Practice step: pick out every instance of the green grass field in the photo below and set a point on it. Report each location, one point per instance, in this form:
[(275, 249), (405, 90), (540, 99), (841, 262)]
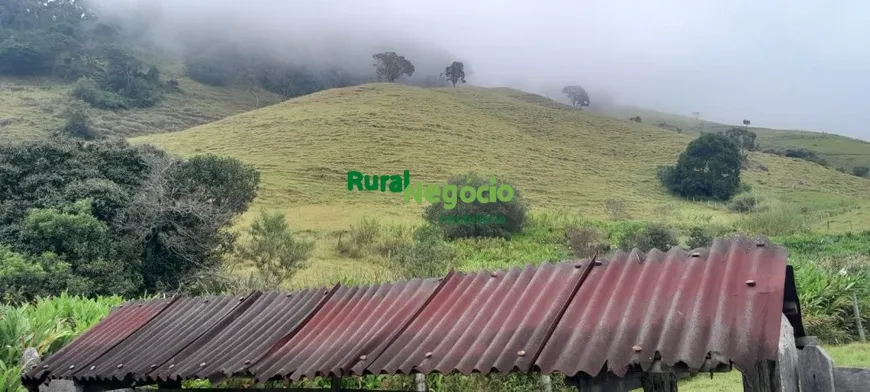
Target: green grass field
[(33, 108), (838, 151), (565, 160)]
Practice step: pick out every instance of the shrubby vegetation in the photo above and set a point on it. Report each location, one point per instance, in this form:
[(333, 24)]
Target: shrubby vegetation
[(105, 217), (799, 153), (708, 168), (514, 212)]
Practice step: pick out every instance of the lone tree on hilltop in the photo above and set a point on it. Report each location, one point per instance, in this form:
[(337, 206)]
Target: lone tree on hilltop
[(577, 94), (391, 66), (709, 167), (455, 73), (746, 123)]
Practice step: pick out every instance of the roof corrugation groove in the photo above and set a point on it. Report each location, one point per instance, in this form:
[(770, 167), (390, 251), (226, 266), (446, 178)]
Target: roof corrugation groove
[(484, 321), (117, 326), (231, 351), (354, 325), (682, 307), (179, 325)]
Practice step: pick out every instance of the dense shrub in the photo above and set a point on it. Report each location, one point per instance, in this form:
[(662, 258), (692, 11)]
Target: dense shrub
[(427, 256), (743, 203), (89, 91), (708, 168), (20, 59), (510, 216), (860, 171), (699, 237), (77, 124), (654, 235), (799, 153), (125, 219), (273, 250)]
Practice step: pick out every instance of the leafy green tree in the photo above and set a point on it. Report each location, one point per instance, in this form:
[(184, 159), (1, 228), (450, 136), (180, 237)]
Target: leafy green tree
[(455, 73), (78, 124), (578, 96), (273, 250), (708, 168), (391, 66), (156, 218)]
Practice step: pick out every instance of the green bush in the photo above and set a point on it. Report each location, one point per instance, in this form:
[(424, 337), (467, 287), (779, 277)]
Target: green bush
[(860, 171), (511, 215), (20, 58), (699, 237), (743, 203), (708, 168), (89, 91), (77, 123), (273, 250), (654, 235), (427, 256)]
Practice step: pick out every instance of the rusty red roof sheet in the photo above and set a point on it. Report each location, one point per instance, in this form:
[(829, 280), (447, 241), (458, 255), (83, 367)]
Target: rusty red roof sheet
[(483, 322), (353, 326), (230, 350), (578, 317), (181, 323), (681, 305), (118, 325)]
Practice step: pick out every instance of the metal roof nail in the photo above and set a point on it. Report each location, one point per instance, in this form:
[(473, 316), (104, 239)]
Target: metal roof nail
[(521, 353), (72, 366), (171, 366), (494, 274), (93, 367), (362, 357), (247, 361), (153, 366), (202, 364), (45, 366), (120, 365), (750, 283), (696, 254), (636, 348), (578, 265), (429, 354)]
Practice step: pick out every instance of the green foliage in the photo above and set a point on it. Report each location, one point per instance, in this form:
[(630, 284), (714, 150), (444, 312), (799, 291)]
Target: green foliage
[(699, 237), (124, 219), (743, 203), (391, 66), (273, 250), (89, 91), (427, 256), (578, 95), (860, 171), (77, 123), (513, 211), (20, 58), (654, 235), (708, 168), (455, 73), (800, 153)]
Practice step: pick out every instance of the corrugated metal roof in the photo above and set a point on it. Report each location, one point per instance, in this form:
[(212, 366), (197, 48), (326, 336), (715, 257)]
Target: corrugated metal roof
[(483, 322), (556, 317), (230, 350), (184, 321), (680, 306), (353, 326), (118, 325)]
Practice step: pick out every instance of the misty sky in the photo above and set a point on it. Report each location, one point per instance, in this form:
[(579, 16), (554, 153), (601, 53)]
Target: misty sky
[(796, 64)]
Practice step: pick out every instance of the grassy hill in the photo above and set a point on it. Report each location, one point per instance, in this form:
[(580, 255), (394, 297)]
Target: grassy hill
[(838, 151), (34, 107), (562, 160)]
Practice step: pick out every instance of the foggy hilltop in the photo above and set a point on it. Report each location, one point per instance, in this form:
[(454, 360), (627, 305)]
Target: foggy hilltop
[(728, 60)]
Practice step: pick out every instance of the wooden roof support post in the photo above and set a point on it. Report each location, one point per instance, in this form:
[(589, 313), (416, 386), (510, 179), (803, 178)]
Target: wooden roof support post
[(780, 375), (420, 381), (335, 383)]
